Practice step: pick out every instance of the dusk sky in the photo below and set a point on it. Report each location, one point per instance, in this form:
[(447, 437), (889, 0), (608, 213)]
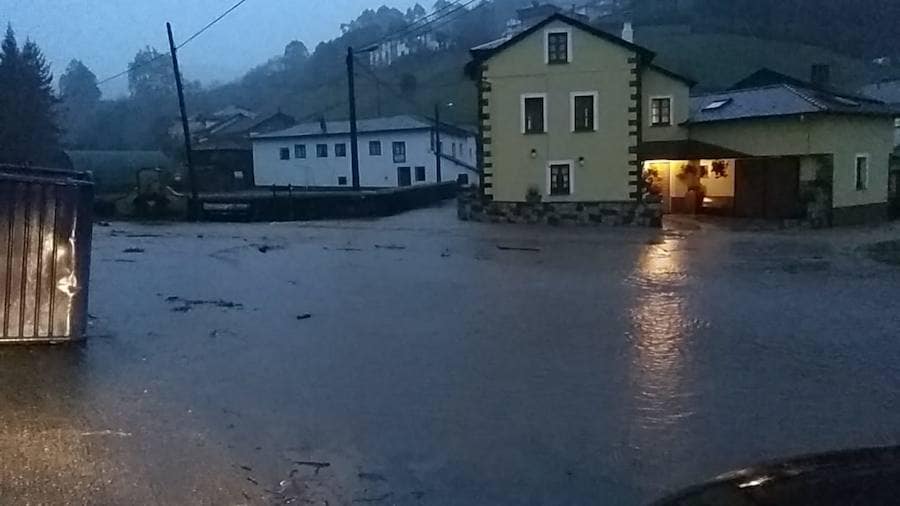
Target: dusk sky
[(105, 34)]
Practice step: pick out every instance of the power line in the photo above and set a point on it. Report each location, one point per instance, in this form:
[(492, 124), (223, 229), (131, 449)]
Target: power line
[(211, 24), (413, 28), (186, 42)]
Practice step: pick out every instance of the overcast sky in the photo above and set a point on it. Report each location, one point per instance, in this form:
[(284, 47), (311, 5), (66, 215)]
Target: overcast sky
[(105, 34)]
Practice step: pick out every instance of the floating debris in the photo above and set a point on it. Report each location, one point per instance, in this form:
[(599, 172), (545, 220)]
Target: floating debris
[(317, 465), (188, 304), (133, 250), (305, 316), (390, 246), (518, 248)]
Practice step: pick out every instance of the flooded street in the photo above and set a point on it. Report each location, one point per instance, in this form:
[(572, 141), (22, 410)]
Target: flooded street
[(422, 360)]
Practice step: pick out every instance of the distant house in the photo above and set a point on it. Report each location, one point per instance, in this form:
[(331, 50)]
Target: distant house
[(578, 124), (223, 153), (887, 91), (389, 51), (527, 17), (393, 151), (718, 60)]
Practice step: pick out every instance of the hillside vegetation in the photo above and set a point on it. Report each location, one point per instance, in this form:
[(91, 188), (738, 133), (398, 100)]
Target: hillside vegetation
[(715, 42)]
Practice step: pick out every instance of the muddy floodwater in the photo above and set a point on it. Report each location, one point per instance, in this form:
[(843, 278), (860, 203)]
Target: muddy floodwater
[(421, 360)]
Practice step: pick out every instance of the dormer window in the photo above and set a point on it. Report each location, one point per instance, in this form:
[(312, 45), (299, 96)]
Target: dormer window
[(559, 48)]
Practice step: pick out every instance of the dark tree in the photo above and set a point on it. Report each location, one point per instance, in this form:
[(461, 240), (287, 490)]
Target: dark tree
[(28, 130), (150, 75), (79, 84), (80, 97)]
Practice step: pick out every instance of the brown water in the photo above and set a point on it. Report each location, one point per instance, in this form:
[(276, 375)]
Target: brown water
[(607, 367)]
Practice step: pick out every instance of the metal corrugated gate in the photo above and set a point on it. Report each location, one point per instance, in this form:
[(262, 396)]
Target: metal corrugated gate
[(45, 248)]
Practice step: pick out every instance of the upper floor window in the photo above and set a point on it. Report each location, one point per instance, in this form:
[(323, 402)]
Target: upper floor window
[(661, 111), (299, 150), (584, 112), (322, 150), (340, 150), (284, 153), (862, 172), (399, 151), (375, 148), (534, 113), (558, 49)]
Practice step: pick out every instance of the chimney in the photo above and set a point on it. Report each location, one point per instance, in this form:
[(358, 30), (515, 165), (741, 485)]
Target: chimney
[(323, 124), (628, 32), (820, 75)]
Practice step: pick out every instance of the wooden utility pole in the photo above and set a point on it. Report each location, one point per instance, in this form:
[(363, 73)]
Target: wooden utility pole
[(354, 141), (194, 204), (437, 141)]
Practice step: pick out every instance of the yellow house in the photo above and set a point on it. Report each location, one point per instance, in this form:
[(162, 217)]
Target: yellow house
[(578, 125)]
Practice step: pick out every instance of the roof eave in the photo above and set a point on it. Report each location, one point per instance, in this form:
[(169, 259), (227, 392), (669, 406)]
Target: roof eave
[(870, 114), (481, 55)]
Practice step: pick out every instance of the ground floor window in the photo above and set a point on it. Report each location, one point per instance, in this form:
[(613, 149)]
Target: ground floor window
[(340, 150), (342, 180), (560, 175), (420, 173), (862, 172), (299, 150), (322, 150), (284, 153)]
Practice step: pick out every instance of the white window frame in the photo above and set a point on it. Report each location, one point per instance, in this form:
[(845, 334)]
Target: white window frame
[(547, 32), (868, 169), (671, 111), (571, 164), (542, 96), (595, 95)]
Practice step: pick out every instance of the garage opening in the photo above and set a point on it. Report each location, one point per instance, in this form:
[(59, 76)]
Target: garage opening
[(767, 188), (760, 188)]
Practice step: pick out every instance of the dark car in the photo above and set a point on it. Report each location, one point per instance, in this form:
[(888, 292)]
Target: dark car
[(864, 477)]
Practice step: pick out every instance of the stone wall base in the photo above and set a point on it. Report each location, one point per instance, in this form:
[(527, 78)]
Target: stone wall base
[(859, 215), (474, 208)]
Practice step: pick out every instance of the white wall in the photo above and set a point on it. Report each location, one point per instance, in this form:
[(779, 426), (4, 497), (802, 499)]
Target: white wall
[(375, 171)]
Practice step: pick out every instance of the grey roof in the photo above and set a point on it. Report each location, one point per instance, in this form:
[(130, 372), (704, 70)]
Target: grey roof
[(494, 44), (388, 124), (886, 91), (780, 100)]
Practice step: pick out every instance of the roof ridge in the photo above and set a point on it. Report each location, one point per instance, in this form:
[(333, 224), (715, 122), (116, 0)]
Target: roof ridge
[(796, 91), (739, 90)]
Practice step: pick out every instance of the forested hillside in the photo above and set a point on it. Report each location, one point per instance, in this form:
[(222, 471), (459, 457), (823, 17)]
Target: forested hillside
[(714, 41)]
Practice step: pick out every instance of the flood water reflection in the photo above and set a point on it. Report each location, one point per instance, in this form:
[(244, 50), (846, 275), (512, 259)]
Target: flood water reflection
[(659, 319)]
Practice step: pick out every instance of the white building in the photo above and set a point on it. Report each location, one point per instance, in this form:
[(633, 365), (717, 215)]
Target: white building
[(394, 151), (387, 52)]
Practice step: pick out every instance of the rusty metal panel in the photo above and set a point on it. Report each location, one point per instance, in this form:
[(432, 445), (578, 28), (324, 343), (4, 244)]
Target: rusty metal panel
[(45, 246)]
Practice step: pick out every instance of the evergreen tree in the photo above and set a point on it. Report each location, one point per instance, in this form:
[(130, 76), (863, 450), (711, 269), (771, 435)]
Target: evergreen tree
[(80, 97), (28, 130)]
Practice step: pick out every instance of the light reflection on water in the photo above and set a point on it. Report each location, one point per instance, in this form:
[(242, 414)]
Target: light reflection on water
[(659, 319)]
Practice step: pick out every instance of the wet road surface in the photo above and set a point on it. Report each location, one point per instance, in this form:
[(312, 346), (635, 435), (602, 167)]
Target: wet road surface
[(420, 360)]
